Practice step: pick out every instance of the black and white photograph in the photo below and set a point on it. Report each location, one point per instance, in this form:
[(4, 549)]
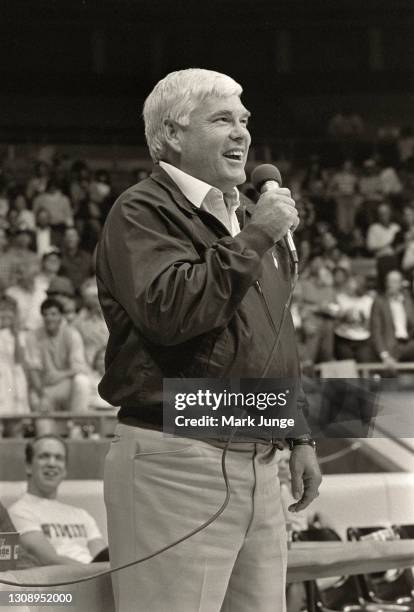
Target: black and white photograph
[(207, 305)]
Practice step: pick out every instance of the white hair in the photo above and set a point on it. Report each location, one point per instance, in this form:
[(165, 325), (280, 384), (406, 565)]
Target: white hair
[(176, 96)]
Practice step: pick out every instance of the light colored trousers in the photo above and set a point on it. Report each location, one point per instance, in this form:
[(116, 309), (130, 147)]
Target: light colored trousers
[(158, 488), (70, 394)]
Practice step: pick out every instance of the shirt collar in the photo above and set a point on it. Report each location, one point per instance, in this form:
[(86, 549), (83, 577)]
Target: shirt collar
[(193, 189)]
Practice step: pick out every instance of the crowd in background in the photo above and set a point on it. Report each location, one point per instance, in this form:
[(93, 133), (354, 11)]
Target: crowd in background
[(352, 301)]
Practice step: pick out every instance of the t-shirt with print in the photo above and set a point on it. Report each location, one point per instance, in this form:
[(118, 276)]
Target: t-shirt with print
[(69, 529)]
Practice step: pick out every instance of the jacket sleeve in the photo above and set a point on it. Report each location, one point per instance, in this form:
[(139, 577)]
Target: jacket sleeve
[(171, 292)]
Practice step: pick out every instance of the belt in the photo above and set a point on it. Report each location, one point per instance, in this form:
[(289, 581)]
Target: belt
[(270, 441), (402, 340)]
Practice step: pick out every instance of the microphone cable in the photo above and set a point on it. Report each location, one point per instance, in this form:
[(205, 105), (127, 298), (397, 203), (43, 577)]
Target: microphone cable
[(204, 525)]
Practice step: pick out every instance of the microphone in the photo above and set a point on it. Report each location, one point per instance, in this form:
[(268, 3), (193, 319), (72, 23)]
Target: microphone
[(266, 178)]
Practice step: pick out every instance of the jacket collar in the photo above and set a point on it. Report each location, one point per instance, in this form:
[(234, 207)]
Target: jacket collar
[(164, 180)]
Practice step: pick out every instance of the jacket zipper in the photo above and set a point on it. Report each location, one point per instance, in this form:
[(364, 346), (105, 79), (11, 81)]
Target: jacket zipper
[(266, 307)]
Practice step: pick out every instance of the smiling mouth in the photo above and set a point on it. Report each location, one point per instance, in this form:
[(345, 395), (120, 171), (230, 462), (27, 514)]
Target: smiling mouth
[(234, 155)]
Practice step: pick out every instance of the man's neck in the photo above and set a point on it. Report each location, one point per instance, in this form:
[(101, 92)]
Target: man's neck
[(33, 490)]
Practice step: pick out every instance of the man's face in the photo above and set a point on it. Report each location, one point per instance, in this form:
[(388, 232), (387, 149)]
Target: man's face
[(52, 263), (52, 319), (384, 213), (48, 467), (214, 146), (71, 238)]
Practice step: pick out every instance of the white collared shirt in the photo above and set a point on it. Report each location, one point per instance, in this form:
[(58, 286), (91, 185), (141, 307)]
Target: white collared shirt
[(399, 316), (208, 198)]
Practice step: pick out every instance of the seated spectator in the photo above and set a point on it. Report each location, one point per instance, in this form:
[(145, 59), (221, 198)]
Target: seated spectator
[(90, 322), (391, 185), (343, 188), (43, 232), (62, 289), (392, 322), (79, 186), (37, 184), (340, 278), (49, 270), (28, 292), (25, 217), (20, 251), (59, 208), (352, 333), (77, 264), (54, 532), (14, 397), (381, 239), (56, 362), (315, 296), (330, 254)]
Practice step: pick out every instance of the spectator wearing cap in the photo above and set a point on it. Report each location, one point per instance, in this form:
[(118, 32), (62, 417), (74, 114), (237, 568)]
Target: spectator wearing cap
[(77, 264), (62, 289), (90, 322), (56, 362), (59, 208), (43, 232), (392, 322)]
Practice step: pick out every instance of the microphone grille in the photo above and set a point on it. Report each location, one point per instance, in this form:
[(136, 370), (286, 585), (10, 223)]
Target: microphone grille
[(263, 173)]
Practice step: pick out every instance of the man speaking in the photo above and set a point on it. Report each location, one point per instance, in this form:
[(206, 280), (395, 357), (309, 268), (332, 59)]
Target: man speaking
[(191, 287)]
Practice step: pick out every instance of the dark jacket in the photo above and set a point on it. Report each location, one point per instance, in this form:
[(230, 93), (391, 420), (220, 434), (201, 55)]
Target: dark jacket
[(382, 325), (183, 298)]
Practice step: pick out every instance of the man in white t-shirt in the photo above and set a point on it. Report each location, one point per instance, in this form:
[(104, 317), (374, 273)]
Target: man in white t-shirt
[(56, 533)]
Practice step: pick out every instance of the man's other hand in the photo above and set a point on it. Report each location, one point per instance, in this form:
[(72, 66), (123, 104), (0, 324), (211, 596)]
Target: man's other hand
[(306, 476), (275, 213)]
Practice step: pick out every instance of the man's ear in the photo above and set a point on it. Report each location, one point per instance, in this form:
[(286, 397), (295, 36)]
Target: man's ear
[(172, 133), (28, 468)]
